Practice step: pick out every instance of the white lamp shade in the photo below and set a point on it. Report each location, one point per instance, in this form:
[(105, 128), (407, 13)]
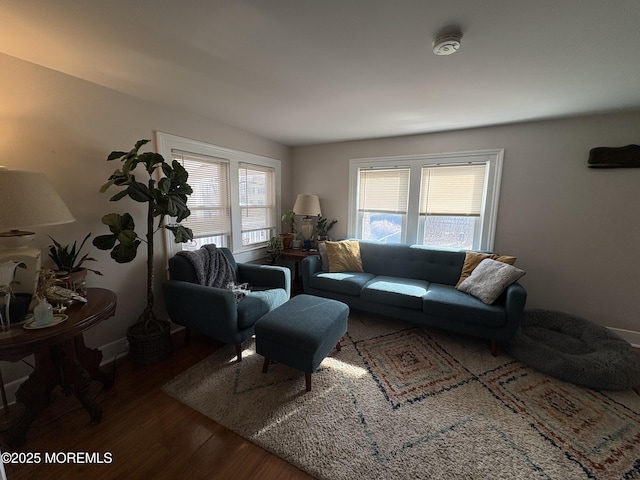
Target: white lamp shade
[(27, 199), (308, 205)]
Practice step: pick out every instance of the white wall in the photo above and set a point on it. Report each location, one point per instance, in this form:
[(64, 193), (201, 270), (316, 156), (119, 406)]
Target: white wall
[(66, 127), (575, 230)]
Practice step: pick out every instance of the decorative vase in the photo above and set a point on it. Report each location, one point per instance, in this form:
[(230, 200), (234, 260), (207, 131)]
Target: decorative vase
[(43, 312)]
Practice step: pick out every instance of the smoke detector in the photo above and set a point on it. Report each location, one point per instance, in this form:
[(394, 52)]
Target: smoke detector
[(447, 44)]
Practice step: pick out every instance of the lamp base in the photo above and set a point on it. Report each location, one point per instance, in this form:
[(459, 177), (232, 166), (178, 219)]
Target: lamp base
[(26, 279), (306, 229)]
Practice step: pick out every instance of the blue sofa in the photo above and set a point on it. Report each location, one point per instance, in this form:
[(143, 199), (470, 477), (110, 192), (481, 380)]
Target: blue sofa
[(417, 284)]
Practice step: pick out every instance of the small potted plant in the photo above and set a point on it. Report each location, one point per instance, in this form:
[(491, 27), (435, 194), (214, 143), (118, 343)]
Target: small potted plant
[(288, 218), (323, 225), (69, 264), (275, 246)]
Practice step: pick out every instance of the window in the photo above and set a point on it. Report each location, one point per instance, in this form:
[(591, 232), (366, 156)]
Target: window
[(446, 200), (451, 205), (257, 204), (209, 203), (236, 196), (382, 204)]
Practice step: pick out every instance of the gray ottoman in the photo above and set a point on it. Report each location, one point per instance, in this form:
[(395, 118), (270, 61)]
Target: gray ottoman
[(301, 333)]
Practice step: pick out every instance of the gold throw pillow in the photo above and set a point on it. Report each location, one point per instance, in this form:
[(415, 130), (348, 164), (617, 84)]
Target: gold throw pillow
[(344, 256)]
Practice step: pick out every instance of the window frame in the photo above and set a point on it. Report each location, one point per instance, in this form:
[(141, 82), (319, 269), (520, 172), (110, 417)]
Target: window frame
[(166, 142), (492, 157)]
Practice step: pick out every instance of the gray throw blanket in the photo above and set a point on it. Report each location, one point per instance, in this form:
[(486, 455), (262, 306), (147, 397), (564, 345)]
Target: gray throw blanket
[(213, 269)]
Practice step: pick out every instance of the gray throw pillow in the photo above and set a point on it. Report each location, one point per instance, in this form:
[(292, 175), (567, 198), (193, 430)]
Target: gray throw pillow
[(489, 279), (324, 258)]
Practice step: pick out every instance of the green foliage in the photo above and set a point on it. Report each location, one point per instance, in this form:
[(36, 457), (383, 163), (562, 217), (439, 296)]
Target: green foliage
[(289, 218), (166, 197), (66, 257), (275, 246), (323, 225)]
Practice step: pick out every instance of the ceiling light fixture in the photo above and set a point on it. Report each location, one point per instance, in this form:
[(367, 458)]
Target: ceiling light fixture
[(447, 44)]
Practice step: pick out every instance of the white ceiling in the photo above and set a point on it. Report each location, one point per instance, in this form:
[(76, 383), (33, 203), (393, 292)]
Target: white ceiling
[(313, 71)]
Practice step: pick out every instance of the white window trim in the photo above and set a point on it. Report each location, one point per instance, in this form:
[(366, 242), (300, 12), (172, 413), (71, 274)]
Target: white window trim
[(493, 157), (166, 142)]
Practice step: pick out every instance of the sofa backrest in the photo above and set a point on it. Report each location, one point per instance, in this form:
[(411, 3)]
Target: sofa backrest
[(412, 261), (180, 268)]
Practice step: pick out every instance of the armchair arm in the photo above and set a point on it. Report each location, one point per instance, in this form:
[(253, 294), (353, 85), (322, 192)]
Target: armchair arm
[(309, 266), (207, 310), (265, 276)]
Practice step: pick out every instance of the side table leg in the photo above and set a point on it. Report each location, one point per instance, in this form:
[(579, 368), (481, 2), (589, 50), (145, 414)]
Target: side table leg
[(76, 378), (90, 358), (34, 394)]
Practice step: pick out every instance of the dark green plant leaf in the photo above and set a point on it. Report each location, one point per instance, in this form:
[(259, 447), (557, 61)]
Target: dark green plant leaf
[(139, 192)]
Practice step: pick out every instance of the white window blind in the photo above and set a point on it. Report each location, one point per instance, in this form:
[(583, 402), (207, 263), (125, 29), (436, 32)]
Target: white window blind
[(383, 190), (209, 204), (257, 203), (452, 190)]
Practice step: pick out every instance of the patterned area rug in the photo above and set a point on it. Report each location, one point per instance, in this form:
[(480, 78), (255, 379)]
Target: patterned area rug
[(400, 402)]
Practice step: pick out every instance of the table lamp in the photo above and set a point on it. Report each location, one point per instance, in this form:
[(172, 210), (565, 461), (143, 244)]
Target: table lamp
[(27, 199), (309, 206)]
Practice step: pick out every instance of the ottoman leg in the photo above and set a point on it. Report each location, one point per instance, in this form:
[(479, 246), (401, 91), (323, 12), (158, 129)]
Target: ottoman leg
[(338, 346), (307, 379), (265, 365)]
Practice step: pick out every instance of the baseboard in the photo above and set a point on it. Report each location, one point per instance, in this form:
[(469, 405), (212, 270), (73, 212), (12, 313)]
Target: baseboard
[(630, 336)]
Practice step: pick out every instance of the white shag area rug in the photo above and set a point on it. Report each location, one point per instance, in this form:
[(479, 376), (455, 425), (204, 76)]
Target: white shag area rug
[(400, 402)]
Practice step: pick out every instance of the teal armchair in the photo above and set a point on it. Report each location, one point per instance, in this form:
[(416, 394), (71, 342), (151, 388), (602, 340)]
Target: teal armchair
[(214, 312)]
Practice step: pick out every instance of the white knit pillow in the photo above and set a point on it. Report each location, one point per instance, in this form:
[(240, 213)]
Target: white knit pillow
[(489, 279)]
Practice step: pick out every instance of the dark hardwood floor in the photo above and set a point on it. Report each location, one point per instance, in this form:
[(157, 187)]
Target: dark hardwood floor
[(148, 434)]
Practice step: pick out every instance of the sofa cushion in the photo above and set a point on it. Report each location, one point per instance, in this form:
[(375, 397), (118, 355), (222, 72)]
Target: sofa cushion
[(445, 301), (489, 279), (412, 261), (349, 283), (344, 256), (400, 292), (255, 304), (473, 259)]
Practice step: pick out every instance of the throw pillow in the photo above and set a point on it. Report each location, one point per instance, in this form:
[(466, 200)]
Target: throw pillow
[(324, 260), (344, 256), (473, 259), (489, 279)]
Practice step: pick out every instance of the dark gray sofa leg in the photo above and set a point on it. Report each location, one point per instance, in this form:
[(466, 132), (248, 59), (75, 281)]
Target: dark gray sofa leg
[(494, 347), (239, 352)]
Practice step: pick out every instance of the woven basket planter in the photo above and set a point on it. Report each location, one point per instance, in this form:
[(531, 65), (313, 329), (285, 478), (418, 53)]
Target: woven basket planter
[(145, 347)]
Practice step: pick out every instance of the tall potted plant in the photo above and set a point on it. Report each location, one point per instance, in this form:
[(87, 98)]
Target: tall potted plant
[(149, 338)]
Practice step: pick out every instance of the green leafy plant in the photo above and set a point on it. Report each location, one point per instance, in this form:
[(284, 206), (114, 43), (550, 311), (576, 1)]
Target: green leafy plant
[(275, 246), (164, 197), (323, 225), (289, 218), (66, 257)]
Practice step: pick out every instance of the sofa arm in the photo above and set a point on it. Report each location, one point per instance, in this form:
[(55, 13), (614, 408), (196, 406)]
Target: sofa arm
[(309, 265), (515, 300), (208, 310), (265, 276)]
